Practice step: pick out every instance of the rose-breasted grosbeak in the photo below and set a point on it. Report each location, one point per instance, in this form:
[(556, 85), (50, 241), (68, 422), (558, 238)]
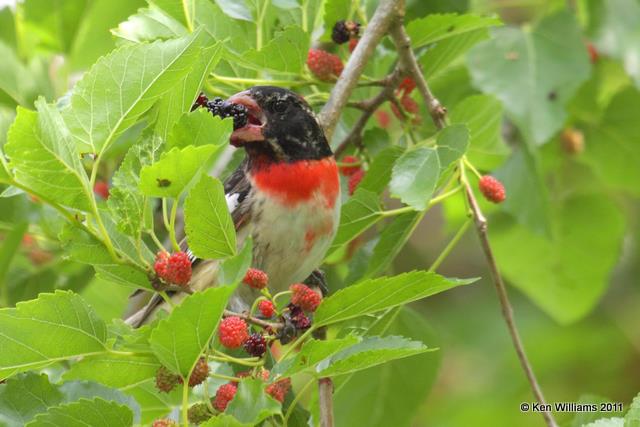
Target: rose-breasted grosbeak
[(285, 194)]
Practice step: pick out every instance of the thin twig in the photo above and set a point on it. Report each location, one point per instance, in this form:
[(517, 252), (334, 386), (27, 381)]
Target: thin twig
[(254, 320), (438, 115), (410, 64), (376, 29), (369, 107), (507, 310)]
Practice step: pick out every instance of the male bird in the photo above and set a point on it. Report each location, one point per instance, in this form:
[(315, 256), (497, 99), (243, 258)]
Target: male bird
[(285, 195)]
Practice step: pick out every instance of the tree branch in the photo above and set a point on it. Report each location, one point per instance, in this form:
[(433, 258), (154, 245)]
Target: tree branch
[(369, 107), (410, 65), (376, 29)]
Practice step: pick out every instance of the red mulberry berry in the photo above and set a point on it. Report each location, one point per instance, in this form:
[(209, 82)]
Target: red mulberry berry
[(201, 101), (164, 423), (256, 279), (407, 85), (383, 119), (224, 395), (233, 332), (200, 372), (492, 189), (323, 64), (305, 297), (166, 380), (279, 389), (101, 188), (179, 269), (352, 44), (266, 308), (409, 104), (354, 181), (255, 345)]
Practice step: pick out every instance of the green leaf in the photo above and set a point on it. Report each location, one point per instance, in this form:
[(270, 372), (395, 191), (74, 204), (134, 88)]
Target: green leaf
[(153, 405), (611, 146), (8, 250), (44, 158), (572, 268), (200, 128), (527, 198), (224, 420), (392, 239), (51, 328), (632, 418), (452, 144), (534, 73), (25, 396), (311, 353), (236, 9), (414, 177), (617, 36), (96, 413), (482, 115), (232, 270), (148, 25), (76, 390), (391, 394), (179, 340), (208, 224), (14, 77), (358, 214), (129, 207), (435, 27), (169, 176), (370, 352), (252, 404), (370, 296), (121, 86), (379, 173), (219, 27), (180, 98), (113, 370), (446, 52), (286, 52)]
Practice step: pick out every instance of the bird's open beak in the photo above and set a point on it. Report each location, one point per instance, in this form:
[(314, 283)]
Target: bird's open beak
[(256, 120)]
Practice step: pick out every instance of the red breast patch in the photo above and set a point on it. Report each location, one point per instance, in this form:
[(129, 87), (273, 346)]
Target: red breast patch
[(298, 182)]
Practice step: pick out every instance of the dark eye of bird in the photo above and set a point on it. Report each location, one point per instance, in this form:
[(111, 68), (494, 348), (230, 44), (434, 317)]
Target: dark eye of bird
[(280, 106)]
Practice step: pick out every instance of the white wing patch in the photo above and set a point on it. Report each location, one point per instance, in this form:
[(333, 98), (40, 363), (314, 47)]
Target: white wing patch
[(232, 201)]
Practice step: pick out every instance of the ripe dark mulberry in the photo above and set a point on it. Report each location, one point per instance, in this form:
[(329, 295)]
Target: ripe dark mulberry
[(256, 345), (344, 30)]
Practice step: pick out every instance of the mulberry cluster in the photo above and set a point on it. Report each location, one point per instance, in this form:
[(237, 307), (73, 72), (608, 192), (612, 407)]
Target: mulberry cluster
[(221, 108)]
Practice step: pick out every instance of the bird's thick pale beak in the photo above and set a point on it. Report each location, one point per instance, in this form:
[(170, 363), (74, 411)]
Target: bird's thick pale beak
[(256, 120)]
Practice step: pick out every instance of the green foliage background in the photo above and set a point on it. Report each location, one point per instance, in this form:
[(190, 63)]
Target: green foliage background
[(116, 79)]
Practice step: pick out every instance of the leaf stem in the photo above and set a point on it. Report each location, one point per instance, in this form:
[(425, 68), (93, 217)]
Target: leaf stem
[(185, 403), (187, 14), (172, 225), (447, 250), (252, 81), (250, 361), (294, 402), (166, 298)]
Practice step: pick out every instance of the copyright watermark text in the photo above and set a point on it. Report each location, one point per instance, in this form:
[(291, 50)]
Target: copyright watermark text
[(571, 407)]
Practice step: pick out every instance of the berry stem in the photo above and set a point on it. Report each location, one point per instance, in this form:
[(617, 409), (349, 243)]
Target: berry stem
[(254, 306), (224, 377), (187, 14), (279, 295), (249, 361), (166, 298), (468, 164)]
